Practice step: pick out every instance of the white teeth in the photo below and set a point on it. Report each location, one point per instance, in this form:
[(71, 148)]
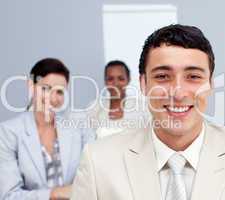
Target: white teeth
[(178, 109)]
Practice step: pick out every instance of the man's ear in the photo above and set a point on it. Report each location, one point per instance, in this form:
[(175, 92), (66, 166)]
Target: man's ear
[(142, 79), (211, 82)]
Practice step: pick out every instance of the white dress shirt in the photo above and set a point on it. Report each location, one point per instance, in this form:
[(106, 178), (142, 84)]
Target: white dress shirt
[(191, 154)]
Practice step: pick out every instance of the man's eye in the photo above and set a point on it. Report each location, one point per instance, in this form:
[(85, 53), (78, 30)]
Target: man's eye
[(194, 77), (162, 77)]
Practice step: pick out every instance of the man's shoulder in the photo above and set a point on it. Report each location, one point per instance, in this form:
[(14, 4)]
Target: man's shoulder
[(215, 131), (116, 144), (216, 128)]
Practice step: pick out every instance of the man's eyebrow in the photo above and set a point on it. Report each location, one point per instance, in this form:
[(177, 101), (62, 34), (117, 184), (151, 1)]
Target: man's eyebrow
[(194, 68), (163, 67), (188, 68)]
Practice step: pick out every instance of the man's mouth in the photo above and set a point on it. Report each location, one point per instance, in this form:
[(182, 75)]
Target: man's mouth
[(179, 110)]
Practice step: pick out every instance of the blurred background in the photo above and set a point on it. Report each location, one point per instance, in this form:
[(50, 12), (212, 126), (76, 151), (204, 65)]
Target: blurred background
[(86, 34)]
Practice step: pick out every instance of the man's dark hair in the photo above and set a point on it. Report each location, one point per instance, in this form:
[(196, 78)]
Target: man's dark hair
[(177, 35), (47, 66), (114, 63)]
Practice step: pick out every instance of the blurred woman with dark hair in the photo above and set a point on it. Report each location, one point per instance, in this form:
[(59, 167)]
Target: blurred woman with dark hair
[(38, 156), (117, 112)]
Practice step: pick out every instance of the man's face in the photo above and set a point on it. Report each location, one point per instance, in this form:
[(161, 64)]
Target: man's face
[(177, 83)]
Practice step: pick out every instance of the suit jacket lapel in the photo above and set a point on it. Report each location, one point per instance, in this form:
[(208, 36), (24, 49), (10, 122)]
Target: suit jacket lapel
[(65, 145), (142, 168), (210, 174), (32, 143)]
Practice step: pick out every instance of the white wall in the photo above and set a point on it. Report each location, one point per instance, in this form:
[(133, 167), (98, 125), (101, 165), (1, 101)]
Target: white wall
[(72, 31)]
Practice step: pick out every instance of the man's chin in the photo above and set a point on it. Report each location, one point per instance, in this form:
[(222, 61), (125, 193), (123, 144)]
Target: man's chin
[(177, 132), (175, 128)]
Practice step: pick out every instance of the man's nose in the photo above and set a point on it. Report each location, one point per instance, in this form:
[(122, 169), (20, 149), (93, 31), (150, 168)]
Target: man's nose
[(178, 90)]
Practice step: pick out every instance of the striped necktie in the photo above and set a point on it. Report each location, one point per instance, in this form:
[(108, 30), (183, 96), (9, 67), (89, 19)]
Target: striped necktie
[(176, 187)]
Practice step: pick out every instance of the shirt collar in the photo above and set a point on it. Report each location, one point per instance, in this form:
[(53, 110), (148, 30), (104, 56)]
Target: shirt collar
[(191, 154)]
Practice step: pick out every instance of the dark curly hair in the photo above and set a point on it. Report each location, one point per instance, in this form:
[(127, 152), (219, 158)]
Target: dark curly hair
[(178, 35)]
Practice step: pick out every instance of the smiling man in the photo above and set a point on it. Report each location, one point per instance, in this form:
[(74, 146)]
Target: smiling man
[(173, 82), (182, 159)]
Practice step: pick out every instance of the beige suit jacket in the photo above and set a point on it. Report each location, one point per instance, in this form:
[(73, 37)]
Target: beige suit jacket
[(123, 167)]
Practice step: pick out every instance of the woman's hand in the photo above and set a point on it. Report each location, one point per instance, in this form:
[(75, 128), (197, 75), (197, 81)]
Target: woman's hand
[(61, 193)]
